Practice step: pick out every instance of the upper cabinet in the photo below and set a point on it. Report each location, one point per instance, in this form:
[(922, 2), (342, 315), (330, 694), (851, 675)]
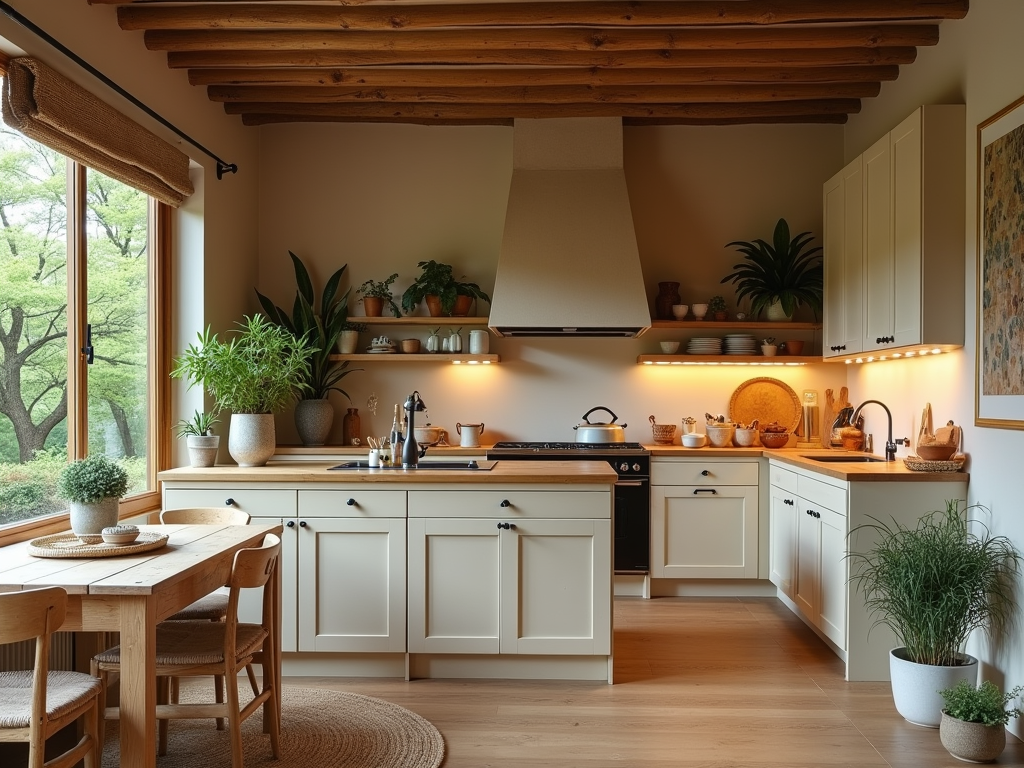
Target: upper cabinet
[(894, 240)]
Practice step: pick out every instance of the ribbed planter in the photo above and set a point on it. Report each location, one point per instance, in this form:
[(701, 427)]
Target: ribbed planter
[(313, 420), (973, 742), (252, 439), (347, 342), (776, 314), (915, 687), (202, 449), (91, 518)]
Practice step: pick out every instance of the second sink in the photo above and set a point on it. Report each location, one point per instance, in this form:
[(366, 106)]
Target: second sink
[(842, 459)]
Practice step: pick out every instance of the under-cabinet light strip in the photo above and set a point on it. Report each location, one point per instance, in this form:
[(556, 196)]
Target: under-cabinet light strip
[(707, 362), (905, 355), (471, 362)]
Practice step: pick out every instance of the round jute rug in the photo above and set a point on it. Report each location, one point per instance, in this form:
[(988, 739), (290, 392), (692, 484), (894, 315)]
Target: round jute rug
[(319, 729)]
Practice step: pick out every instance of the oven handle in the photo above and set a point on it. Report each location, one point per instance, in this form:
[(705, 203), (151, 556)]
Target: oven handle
[(630, 483)]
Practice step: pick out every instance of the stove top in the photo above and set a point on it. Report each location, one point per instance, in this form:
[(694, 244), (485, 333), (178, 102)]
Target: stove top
[(567, 447)]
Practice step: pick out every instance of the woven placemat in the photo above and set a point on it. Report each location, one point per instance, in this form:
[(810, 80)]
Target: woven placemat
[(918, 464), (68, 544)]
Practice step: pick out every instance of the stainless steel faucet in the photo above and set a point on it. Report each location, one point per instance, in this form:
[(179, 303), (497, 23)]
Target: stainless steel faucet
[(890, 446)]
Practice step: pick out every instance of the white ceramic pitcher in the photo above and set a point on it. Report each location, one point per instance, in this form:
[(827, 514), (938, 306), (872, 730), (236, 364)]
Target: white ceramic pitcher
[(469, 434)]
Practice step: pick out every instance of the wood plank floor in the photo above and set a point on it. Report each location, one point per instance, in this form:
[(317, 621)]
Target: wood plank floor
[(710, 682)]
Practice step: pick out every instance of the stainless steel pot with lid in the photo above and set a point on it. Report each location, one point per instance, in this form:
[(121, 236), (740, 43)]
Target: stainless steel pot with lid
[(600, 432)]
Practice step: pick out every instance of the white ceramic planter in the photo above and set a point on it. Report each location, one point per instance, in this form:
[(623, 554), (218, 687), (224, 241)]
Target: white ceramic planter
[(90, 519), (202, 449), (915, 687), (347, 342), (313, 421), (252, 439)]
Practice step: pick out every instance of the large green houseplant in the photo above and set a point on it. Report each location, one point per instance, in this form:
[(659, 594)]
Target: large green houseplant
[(320, 323), (779, 276), (933, 585), (258, 372), (437, 286)]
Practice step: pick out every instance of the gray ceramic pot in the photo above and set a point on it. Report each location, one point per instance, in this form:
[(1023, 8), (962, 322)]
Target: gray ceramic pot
[(313, 420), (202, 449), (252, 439), (915, 687), (90, 519), (973, 742)]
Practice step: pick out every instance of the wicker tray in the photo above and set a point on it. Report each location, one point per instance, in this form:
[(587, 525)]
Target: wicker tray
[(918, 464), (68, 545), (766, 400)]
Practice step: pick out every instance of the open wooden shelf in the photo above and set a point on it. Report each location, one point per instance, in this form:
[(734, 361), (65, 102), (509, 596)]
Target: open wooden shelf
[(757, 360), (419, 320), (712, 326), (420, 357)]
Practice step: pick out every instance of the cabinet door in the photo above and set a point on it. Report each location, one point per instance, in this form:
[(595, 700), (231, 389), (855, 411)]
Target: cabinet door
[(783, 530), (878, 244), (704, 532), (351, 584), (832, 593), (905, 143), (454, 585), (556, 587), (843, 202), (250, 600), (808, 555)]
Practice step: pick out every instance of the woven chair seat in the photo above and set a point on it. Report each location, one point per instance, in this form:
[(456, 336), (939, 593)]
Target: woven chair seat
[(213, 607), (195, 643), (65, 691)]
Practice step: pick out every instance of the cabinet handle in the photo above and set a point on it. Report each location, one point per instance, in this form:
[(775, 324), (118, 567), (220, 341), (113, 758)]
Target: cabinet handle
[(505, 503), (290, 524), (712, 491), (302, 524), (507, 526), (788, 501), (809, 512), (705, 473), (229, 502), (351, 502)]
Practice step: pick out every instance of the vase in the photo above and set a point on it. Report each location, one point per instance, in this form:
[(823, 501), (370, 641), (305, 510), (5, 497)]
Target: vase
[(313, 421), (90, 518), (972, 742), (348, 341), (668, 294), (776, 314), (202, 450), (252, 439), (433, 342), (479, 342), (455, 342), (915, 687), (350, 428)]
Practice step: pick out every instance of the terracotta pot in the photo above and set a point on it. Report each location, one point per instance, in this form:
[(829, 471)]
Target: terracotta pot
[(721, 316), (433, 305), (462, 306), (794, 347), (373, 306)]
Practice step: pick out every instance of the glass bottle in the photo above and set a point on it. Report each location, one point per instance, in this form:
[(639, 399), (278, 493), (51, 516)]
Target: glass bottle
[(350, 428)]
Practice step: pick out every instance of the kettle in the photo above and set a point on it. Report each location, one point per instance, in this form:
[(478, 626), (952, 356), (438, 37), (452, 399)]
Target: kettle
[(469, 434)]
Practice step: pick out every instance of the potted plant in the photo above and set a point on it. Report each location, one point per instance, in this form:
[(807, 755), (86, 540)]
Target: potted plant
[(974, 720), (348, 339), (716, 307), (779, 276), (933, 585), (255, 374), (320, 325), (444, 295), (768, 347), (199, 438), (376, 295), (93, 487)]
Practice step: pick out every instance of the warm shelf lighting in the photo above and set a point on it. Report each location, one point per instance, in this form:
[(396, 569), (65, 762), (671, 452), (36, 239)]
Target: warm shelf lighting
[(907, 355)]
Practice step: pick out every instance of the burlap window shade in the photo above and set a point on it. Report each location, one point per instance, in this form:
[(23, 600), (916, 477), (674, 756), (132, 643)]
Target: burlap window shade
[(49, 108)]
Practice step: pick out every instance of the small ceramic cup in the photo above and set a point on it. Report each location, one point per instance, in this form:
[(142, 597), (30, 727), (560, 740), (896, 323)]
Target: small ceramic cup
[(375, 458), (679, 311), (699, 310), (669, 347)]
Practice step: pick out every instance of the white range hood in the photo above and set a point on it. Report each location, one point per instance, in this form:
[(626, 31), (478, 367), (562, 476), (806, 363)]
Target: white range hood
[(569, 264)]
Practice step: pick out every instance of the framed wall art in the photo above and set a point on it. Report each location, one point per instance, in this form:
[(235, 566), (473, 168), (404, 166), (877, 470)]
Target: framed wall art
[(999, 366)]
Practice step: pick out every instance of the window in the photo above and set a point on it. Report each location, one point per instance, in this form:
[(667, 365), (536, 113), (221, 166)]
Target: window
[(78, 269)]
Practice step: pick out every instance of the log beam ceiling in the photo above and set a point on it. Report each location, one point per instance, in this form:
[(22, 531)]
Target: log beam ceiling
[(696, 62)]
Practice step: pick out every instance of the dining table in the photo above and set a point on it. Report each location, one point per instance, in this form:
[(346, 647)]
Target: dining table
[(131, 594)]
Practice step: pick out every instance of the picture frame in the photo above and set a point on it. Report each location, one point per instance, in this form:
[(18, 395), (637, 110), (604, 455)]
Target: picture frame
[(999, 353)]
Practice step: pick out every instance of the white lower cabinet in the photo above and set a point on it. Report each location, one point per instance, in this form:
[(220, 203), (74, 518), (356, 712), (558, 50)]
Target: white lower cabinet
[(704, 519), (782, 552)]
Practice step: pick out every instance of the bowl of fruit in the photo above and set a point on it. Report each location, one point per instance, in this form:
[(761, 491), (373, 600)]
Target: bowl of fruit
[(773, 435)]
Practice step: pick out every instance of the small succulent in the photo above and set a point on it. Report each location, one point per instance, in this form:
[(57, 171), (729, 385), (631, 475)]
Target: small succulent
[(716, 304), (200, 424)]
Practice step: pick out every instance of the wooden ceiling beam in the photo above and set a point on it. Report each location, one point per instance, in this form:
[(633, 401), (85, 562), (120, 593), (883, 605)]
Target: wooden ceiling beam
[(520, 109), (583, 39), (470, 76), (254, 119), (660, 59), (638, 13), (544, 94)]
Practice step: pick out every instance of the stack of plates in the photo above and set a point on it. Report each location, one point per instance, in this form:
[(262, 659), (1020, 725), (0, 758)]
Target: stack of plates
[(740, 344), (381, 349), (704, 346)]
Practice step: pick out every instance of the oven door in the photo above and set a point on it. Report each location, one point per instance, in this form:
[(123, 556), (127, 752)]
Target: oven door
[(632, 526)]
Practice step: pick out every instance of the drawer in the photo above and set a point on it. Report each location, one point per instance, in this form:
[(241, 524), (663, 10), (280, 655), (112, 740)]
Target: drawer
[(255, 501), (510, 504), (697, 472), (352, 503), (782, 478), (824, 495)]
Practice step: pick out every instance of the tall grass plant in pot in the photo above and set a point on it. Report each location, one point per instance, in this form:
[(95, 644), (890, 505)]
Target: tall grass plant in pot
[(933, 585), (93, 487)]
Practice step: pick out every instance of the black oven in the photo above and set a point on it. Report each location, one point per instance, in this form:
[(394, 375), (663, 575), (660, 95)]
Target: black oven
[(632, 510)]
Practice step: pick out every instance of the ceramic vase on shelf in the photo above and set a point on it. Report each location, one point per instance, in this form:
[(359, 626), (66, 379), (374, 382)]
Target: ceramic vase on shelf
[(348, 341), (455, 342), (313, 421), (350, 427), (433, 342), (668, 294)]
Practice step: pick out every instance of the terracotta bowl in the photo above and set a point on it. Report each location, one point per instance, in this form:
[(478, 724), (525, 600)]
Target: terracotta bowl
[(936, 452), (774, 439)]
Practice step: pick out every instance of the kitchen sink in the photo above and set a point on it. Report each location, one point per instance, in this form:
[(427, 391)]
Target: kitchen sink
[(843, 459), (424, 465)]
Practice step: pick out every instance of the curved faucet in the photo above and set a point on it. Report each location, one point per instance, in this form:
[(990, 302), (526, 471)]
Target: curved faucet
[(890, 446)]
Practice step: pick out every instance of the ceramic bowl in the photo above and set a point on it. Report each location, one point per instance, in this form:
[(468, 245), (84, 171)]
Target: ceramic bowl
[(120, 534), (679, 311), (720, 436), (936, 452), (745, 437), (669, 347), (693, 440), (699, 310), (774, 439)]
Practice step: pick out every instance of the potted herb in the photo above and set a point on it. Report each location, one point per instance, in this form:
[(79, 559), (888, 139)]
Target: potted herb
[(376, 294), (257, 373), (716, 308), (974, 720), (92, 487), (933, 585), (444, 295), (348, 339), (202, 444), (320, 325), (779, 276)]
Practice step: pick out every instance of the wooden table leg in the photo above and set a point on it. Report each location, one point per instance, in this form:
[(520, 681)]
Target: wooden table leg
[(138, 682)]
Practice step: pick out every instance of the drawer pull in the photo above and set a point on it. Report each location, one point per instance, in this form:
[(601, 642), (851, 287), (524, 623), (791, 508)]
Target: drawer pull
[(505, 503), (229, 502), (290, 523), (705, 473), (507, 526), (351, 502), (788, 501), (302, 524), (712, 491)]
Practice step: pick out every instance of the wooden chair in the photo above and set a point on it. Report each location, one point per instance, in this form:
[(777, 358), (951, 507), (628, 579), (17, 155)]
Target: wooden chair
[(190, 648), (36, 704)]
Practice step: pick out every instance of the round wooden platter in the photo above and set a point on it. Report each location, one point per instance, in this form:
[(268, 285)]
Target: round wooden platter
[(68, 544), (767, 400)]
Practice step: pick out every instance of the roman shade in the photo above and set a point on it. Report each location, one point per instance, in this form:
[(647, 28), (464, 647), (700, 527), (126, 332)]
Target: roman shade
[(49, 108)]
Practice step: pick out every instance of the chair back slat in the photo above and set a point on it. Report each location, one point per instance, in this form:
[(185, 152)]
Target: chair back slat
[(204, 516), (31, 613), (254, 567)]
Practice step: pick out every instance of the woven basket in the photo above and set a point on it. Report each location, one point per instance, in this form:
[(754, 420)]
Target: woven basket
[(664, 434), (954, 464)]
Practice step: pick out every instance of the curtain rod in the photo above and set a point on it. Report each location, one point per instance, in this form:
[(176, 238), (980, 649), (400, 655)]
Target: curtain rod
[(222, 166)]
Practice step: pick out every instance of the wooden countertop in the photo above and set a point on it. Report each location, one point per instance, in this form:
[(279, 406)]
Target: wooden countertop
[(504, 472), (872, 472)]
